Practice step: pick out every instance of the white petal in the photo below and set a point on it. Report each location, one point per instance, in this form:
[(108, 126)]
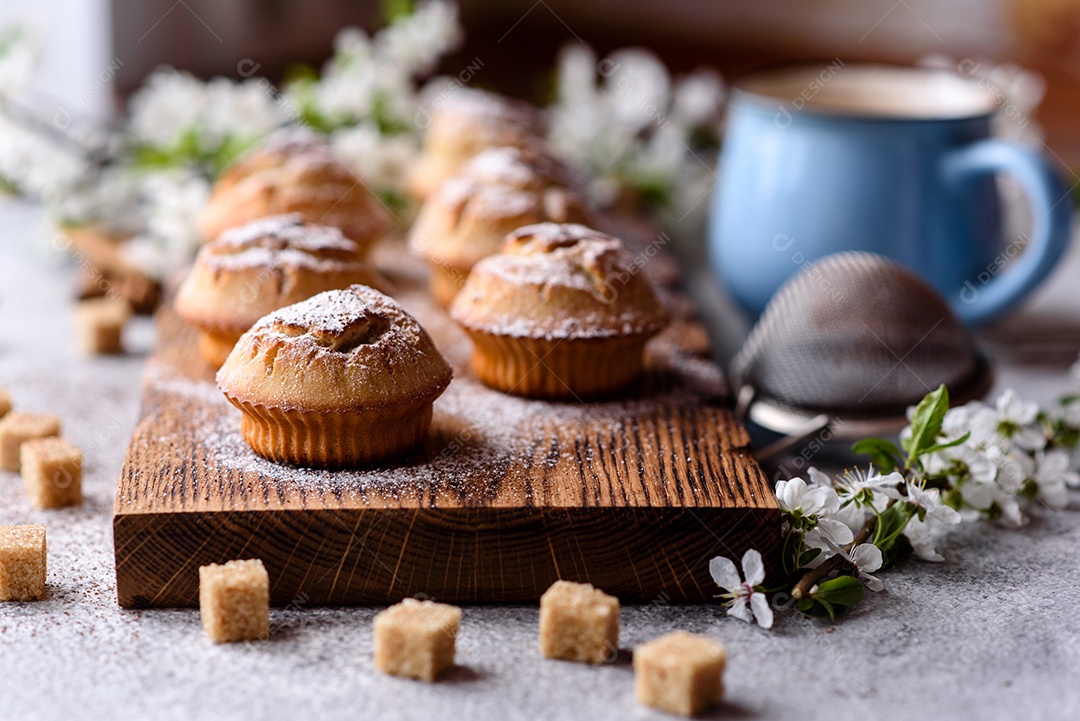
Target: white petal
[(926, 551), (945, 514), (790, 493), (818, 500), (725, 574), (890, 492), (1010, 511), (866, 557), (1030, 439), (851, 516), (762, 611), (978, 495), (921, 537), (1054, 495), (816, 539), (891, 480), (872, 582), (830, 503), (818, 478), (835, 531), (739, 610), (753, 568), (1053, 464)]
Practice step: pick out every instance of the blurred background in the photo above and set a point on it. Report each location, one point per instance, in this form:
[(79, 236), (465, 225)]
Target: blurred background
[(518, 40)]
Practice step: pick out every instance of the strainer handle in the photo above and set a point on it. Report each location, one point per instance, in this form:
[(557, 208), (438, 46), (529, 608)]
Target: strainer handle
[(1050, 208)]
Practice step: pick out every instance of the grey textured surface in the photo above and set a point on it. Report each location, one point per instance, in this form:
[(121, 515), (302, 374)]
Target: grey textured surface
[(990, 634)]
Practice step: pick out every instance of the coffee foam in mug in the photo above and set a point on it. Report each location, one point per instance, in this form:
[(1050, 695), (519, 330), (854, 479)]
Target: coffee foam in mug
[(878, 91)]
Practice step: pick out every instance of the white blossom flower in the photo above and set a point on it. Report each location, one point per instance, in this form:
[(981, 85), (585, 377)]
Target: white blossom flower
[(814, 503), (1052, 477), (964, 459), (740, 599), (1068, 411), (379, 160), (415, 43), (826, 531), (174, 199), (167, 106), (866, 557), (1012, 419), (929, 499), (631, 128), (637, 88), (861, 485), (853, 515), (922, 536), (698, 99), (796, 496), (246, 111), (20, 51), (957, 420)]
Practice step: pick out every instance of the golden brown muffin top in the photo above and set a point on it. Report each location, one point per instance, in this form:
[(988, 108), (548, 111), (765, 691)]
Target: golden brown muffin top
[(294, 171), (280, 241), (472, 120), (560, 281), (498, 191), (264, 265), (351, 349)]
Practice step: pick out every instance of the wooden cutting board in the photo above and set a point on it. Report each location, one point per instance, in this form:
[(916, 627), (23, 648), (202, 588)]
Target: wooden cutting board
[(634, 495)]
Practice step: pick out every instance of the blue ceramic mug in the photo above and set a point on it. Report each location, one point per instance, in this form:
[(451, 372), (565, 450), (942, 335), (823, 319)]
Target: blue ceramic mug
[(890, 160)]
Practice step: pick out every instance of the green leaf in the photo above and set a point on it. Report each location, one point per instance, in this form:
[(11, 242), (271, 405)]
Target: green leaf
[(396, 10), (300, 73), (883, 454), (926, 422), (950, 444), (891, 523), (808, 556), (841, 591), (805, 604), (828, 607), (899, 548)]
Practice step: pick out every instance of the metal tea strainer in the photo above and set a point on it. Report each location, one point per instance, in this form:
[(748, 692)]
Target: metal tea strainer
[(847, 345)]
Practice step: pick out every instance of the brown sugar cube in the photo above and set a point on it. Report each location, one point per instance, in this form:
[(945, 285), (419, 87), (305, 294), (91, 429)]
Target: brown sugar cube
[(22, 563), (579, 623), (234, 601), (415, 639), (5, 402), (17, 427), (52, 472), (100, 324), (681, 673)]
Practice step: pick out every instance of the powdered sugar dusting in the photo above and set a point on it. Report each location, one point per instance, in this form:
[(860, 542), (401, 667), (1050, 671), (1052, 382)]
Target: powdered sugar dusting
[(484, 448), (279, 242), (336, 312), (507, 292), (476, 436)]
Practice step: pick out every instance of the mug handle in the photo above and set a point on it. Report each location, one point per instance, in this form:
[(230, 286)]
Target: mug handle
[(1050, 207)]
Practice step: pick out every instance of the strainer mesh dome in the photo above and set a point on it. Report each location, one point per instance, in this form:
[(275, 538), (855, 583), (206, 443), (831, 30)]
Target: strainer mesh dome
[(855, 334)]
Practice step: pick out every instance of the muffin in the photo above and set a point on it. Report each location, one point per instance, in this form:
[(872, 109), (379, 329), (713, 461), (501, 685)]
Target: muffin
[(295, 172), (497, 192), (257, 268), (467, 123), (346, 378), (563, 311)]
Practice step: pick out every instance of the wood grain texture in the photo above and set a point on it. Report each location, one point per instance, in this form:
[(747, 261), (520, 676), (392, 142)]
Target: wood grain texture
[(507, 495)]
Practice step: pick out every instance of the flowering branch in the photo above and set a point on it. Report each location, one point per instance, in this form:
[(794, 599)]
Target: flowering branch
[(971, 462), (814, 576)]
